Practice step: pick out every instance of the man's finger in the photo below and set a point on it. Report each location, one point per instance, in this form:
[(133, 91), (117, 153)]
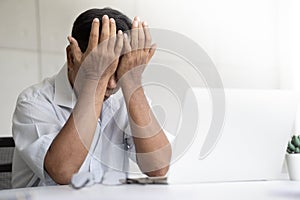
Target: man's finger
[(151, 52), (141, 41), (105, 29), (94, 35), (112, 34), (134, 35), (148, 38), (126, 44), (75, 49), (119, 43)]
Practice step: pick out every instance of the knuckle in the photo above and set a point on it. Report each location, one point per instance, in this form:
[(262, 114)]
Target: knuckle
[(134, 43), (141, 40), (105, 34), (119, 45), (93, 35), (148, 40), (110, 56), (102, 51)]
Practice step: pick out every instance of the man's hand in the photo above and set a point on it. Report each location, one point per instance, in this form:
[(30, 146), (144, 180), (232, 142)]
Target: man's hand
[(137, 53), (99, 61)]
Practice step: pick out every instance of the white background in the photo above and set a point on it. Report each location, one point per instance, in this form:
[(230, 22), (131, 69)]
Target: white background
[(254, 43)]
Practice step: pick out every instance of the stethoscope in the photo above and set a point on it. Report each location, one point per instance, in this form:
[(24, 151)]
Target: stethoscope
[(126, 151)]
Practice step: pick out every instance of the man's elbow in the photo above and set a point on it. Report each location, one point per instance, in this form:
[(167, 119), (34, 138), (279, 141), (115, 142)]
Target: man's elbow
[(59, 171), (60, 175), (63, 177), (156, 164), (158, 173)]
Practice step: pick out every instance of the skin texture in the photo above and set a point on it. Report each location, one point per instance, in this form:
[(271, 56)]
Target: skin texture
[(94, 75)]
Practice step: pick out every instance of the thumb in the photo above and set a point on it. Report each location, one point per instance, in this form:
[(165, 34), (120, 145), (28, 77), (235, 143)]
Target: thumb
[(152, 50), (75, 49)]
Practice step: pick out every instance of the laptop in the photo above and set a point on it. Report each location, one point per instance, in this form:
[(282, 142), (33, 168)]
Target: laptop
[(232, 135)]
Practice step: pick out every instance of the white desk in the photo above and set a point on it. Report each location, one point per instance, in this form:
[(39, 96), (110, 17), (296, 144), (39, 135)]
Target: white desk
[(263, 190)]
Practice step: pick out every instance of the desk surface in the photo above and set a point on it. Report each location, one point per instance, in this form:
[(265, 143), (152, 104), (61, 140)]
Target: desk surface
[(263, 190)]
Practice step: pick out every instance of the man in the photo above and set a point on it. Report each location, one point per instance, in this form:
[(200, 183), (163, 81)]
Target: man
[(69, 123)]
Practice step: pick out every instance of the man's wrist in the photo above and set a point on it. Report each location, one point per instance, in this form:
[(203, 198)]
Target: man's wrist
[(130, 81), (101, 88), (132, 91)]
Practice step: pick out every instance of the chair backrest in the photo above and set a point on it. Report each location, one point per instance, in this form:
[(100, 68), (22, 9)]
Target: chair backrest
[(7, 145)]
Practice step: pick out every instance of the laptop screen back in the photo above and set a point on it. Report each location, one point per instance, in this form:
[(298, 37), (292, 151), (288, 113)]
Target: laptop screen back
[(251, 144)]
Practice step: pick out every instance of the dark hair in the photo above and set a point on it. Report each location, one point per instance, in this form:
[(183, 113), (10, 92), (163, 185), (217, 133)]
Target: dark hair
[(83, 23)]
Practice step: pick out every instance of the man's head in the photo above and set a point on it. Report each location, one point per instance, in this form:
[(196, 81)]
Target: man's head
[(81, 32), (82, 25)]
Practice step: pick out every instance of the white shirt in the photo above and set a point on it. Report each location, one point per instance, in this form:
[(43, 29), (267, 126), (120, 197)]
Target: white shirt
[(41, 112)]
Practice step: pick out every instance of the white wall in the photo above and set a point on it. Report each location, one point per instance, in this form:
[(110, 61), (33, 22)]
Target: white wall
[(239, 35), (289, 48), (18, 54), (33, 41), (243, 37)]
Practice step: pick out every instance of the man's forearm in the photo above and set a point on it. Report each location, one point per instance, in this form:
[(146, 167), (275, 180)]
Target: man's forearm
[(152, 146), (70, 147)]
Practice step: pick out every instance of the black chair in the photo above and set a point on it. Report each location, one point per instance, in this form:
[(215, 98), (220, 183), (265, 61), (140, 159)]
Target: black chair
[(7, 145)]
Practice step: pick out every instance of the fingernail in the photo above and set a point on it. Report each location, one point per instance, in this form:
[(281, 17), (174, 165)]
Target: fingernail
[(105, 17), (125, 35), (96, 20), (135, 23), (120, 32), (112, 20), (137, 18), (69, 39), (145, 23)]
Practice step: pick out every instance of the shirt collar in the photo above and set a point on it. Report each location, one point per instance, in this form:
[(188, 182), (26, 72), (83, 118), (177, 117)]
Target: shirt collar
[(64, 94), (109, 108)]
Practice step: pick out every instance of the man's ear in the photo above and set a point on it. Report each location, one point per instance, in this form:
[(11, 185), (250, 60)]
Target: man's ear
[(70, 57)]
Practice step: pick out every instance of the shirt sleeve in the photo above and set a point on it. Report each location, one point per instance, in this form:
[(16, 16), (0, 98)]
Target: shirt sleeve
[(35, 125)]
